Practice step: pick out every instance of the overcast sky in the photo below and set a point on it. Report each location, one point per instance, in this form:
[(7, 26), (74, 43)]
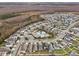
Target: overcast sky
[(39, 0)]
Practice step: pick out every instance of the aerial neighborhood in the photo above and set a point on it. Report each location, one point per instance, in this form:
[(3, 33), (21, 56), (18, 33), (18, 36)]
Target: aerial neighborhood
[(42, 34)]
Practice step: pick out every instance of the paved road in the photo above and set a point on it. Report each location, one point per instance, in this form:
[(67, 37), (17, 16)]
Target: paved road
[(17, 47), (59, 37), (65, 31)]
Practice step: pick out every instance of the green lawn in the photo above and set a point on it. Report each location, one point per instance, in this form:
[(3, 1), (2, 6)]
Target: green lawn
[(77, 50), (73, 46), (67, 49), (59, 51), (41, 52)]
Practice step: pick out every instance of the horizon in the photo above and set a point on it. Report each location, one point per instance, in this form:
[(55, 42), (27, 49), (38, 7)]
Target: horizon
[(42, 3)]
